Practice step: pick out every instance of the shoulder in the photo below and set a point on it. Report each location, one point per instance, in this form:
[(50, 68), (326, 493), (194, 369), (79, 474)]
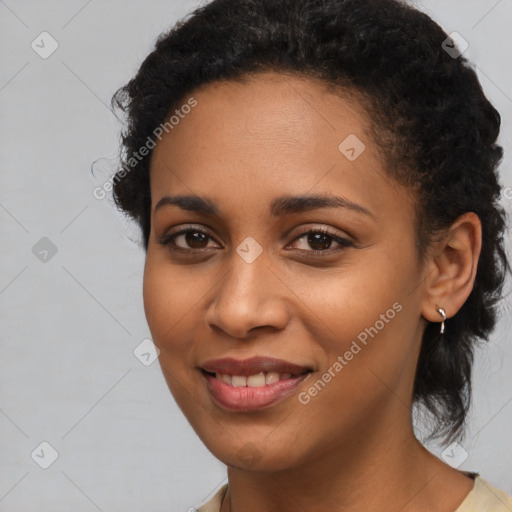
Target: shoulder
[(213, 505), (484, 497)]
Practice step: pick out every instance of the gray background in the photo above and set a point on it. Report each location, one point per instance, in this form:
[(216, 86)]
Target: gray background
[(70, 324)]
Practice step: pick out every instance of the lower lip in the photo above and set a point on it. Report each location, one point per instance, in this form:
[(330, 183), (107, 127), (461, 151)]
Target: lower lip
[(245, 398)]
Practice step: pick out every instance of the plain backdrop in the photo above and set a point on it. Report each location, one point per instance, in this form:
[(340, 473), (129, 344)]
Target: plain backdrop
[(71, 271)]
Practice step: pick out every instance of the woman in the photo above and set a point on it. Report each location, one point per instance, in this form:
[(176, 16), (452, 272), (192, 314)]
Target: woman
[(316, 184)]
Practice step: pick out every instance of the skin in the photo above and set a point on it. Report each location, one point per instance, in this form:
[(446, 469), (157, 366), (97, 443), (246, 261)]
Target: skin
[(352, 446)]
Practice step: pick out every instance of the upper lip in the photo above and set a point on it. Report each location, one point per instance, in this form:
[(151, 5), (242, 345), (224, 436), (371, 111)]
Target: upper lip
[(252, 366)]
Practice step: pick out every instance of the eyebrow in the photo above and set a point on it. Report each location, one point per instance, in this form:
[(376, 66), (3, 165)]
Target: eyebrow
[(282, 205)]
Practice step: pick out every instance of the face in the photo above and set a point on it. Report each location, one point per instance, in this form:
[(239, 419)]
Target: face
[(282, 283)]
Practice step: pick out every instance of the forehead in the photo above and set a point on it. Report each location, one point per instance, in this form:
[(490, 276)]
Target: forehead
[(282, 112), (272, 134)]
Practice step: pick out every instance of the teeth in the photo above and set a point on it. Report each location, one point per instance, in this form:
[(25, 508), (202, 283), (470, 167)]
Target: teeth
[(238, 381), (252, 381), (256, 381), (271, 377)]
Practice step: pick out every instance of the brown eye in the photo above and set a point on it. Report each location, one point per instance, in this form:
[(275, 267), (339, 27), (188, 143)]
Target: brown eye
[(188, 240), (196, 239), (318, 241)]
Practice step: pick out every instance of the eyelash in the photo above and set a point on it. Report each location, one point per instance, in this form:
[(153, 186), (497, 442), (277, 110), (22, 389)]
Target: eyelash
[(343, 242)]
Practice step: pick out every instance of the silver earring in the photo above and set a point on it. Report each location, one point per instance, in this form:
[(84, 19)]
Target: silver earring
[(442, 312)]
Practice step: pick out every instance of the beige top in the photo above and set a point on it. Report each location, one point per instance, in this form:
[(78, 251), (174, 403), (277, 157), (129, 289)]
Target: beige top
[(482, 498)]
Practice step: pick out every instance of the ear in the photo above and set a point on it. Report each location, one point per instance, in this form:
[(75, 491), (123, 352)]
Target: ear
[(451, 268)]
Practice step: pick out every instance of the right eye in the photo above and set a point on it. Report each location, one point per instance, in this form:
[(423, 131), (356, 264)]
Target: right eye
[(187, 240)]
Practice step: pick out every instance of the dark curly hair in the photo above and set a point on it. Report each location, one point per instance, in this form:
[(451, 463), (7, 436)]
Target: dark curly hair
[(434, 126)]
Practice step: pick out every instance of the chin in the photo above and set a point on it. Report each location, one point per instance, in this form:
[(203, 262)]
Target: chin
[(258, 455)]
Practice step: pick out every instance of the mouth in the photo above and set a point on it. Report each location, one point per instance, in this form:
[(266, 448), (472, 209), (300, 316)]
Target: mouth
[(251, 384), (256, 380)]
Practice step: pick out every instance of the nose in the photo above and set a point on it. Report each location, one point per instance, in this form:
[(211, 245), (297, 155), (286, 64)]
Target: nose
[(250, 297)]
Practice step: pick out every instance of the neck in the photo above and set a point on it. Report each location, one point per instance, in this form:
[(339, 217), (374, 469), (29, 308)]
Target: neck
[(376, 469)]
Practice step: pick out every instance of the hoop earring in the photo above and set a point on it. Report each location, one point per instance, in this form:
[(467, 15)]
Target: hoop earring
[(442, 312)]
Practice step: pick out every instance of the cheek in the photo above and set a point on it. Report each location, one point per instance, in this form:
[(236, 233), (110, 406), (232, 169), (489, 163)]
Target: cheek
[(340, 304), (373, 337), (169, 301), (168, 298), (364, 314)]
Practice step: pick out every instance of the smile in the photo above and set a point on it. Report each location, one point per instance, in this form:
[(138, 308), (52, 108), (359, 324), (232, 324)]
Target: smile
[(251, 393), (252, 384), (252, 381)]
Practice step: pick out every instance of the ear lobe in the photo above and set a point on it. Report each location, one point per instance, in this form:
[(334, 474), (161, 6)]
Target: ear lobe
[(453, 268)]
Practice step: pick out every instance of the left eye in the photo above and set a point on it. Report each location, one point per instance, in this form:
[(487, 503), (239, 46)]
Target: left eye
[(321, 240)]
